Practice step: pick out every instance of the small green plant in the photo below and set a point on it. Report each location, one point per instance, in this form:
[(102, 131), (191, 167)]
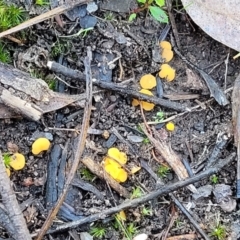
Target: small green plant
[(10, 15), (118, 224), (60, 48), (155, 9), (136, 193), (7, 159), (146, 140), (131, 229), (108, 16), (214, 179), (178, 223), (42, 2), (98, 232), (159, 117), (219, 232), (86, 174), (146, 211), (4, 54), (163, 171)]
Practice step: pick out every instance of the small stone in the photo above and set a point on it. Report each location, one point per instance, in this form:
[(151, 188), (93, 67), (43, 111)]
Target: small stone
[(203, 191), (121, 39), (85, 236), (135, 138), (92, 7), (88, 22)]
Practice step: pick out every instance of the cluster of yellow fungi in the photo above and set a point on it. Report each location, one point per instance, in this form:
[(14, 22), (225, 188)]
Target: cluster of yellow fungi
[(148, 81), (113, 164), (17, 160)]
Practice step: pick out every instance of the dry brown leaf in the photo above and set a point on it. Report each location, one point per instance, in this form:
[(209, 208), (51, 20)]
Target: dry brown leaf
[(218, 18)]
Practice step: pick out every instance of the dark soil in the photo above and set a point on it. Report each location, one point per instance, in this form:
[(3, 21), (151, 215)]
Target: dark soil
[(194, 137)]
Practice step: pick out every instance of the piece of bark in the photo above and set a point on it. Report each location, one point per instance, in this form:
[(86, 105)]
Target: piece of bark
[(30, 96), (10, 203), (169, 156)]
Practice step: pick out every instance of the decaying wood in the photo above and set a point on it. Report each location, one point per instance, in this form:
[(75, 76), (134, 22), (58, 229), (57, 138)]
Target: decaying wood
[(190, 236), (169, 156), (80, 147), (236, 126), (43, 17), (29, 96), (98, 171), (148, 197), (10, 203)]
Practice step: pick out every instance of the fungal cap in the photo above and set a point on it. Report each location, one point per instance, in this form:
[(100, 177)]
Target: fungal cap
[(17, 161), (39, 145), (167, 72), (165, 45), (146, 105), (170, 126), (148, 81), (167, 55), (118, 156)]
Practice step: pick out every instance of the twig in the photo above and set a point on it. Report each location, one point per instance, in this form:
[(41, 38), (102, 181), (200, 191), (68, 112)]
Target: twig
[(148, 197), (190, 236), (80, 146), (10, 203), (226, 71), (43, 17), (173, 23), (189, 216), (75, 74)]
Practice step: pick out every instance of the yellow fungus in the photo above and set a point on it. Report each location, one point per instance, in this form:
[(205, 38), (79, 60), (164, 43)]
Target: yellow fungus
[(146, 105), (167, 55), (135, 102), (167, 72), (166, 51), (148, 81), (170, 126), (113, 164), (41, 144), (17, 161), (165, 45)]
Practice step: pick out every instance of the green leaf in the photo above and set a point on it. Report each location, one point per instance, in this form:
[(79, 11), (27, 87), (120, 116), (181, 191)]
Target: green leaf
[(141, 1), (160, 3), (132, 17), (158, 14)]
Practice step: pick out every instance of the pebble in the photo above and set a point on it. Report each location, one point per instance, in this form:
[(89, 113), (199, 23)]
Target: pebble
[(88, 22), (92, 7)]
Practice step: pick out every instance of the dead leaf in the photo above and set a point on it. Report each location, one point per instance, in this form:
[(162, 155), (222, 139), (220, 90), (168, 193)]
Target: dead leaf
[(219, 19)]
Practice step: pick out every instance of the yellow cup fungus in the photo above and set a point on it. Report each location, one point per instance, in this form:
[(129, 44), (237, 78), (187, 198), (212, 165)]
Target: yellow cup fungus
[(121, 216), (112, 164), (170, 126), (166, 51), (39, 145), (17, 161), (148, 81), (167, 72), (146, 105)]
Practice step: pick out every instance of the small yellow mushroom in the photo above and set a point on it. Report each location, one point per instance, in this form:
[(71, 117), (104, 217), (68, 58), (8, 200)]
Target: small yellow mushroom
[(17, 161), (167, 72), (41, 144), (165, 45), (118, 156), (148, 81), (166, 51), (170, 126), (146, 105), (167, 55), (135, 102), (121, 216)]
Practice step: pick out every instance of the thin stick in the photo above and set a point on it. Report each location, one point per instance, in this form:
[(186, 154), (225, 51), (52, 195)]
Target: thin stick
[(43, 17), (148, 197), (80, 146), (10, 203)]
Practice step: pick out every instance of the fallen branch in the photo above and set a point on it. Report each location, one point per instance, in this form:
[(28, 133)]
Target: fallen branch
[(75, 74), (148, 197), (80, 147), (10, 203), (43, 17)]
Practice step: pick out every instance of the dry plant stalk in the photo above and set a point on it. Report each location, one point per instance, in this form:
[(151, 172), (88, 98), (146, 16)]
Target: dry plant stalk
[(169, 156), (101, 173)]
